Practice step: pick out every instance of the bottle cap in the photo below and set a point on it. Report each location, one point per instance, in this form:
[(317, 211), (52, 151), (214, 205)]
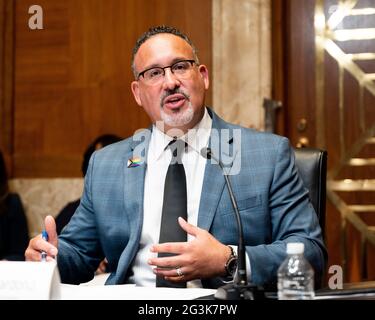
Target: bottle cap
[(295, 248)]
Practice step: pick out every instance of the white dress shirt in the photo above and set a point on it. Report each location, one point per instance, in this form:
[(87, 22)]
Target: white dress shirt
[(158, 160)]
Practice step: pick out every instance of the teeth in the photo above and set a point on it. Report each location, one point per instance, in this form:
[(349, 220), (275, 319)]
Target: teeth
[(174, 100)]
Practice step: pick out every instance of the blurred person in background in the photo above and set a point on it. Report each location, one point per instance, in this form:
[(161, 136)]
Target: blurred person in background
[(63, 218), (14, 233)]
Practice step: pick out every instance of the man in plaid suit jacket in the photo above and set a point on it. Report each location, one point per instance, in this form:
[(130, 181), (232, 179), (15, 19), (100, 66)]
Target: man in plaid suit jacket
[(112, 218)]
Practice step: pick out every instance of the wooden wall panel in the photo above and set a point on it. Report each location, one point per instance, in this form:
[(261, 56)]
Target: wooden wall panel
[(300, 70), (72, 79), (6, 80)]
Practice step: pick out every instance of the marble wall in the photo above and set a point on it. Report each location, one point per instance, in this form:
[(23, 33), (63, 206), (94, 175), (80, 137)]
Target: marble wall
[(241, 60), (42, 197)]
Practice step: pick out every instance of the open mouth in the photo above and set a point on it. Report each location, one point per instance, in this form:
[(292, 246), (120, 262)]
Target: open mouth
[(174, 101)]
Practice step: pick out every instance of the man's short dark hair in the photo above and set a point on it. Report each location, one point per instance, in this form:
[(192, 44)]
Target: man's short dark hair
[(157, 30)]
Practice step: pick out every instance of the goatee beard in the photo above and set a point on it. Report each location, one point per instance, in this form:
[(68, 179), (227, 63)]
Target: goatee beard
[(178, 119)]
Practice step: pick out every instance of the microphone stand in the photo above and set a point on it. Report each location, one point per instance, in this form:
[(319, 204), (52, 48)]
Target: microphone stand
[(240, 289)]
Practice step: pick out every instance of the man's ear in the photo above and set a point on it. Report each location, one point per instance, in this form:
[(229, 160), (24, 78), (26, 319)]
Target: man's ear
[(204, 74), (135, 89)]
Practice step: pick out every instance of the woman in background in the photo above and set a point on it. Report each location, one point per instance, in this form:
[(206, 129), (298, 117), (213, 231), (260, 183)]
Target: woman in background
[(14, 235)]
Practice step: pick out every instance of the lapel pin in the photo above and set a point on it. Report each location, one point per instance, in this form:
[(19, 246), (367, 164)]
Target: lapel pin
[(134, 162)]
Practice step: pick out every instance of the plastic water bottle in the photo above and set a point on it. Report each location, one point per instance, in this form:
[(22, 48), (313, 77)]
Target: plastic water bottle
[(295, 275)]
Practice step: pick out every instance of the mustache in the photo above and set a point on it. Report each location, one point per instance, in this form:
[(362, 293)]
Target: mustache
[(168, 93)]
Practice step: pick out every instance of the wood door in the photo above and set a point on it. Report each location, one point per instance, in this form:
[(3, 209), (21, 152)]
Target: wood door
[(324, 67)]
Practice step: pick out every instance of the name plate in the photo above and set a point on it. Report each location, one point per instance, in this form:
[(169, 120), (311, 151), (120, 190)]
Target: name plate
[(20, 280)]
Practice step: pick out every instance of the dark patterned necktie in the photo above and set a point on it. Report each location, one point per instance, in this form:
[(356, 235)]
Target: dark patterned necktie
[(174, 206)]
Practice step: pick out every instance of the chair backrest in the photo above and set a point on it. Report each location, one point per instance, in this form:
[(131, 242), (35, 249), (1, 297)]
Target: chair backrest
[(312, 167)]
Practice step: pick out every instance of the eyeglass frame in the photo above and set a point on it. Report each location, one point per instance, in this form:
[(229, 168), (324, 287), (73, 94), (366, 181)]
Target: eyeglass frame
[(191, 61)]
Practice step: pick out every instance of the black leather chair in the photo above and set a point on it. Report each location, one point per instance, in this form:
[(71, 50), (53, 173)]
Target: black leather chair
[(312, 166)]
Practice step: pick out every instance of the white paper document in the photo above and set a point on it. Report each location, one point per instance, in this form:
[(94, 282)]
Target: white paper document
[(130, 292), (41, 281), (20, 280)]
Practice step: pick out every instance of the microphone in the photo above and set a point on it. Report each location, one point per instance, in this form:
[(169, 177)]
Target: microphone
[(240, 288)]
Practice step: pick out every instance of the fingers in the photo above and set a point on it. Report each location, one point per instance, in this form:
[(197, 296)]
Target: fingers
[(32, 254), (169, 247), (36, 246), (50, 226), (168, 262), (189, 228), (102, 266), (171, 272), (174, 275), (189, 259)]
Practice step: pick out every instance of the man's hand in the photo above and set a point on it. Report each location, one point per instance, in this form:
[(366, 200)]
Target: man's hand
[(37, 244), (203, 257), (102, 267)]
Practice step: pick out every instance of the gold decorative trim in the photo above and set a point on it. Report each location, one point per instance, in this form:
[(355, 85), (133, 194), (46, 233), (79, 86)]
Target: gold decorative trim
[(349, 215), (344, 9), (348, 64), (352, 185), (358, 162), (361, 56), (362, 208), (351, 34), (365, 138), (362, 12)]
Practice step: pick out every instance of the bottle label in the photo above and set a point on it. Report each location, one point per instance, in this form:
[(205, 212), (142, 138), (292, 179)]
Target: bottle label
[(293, 284)]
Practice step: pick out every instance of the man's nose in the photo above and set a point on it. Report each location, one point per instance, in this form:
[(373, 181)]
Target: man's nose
[(170, 80)]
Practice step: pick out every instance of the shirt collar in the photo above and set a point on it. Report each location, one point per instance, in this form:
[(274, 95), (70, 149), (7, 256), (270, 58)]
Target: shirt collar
[(196, 138)]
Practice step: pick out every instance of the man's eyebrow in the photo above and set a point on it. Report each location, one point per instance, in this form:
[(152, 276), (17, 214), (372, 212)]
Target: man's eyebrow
[(180, 59), (157, 65)]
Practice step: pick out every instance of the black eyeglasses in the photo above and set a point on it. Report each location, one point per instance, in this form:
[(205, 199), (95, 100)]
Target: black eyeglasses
[(180, 69)]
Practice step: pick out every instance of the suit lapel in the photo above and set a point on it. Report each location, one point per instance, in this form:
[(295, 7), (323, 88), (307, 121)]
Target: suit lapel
[(134, 177), (213, 184), (133, 194), (134, 174), (213, 181)]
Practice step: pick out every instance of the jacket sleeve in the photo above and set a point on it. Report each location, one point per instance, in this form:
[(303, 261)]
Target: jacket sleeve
[(79, 250), (293, 219)]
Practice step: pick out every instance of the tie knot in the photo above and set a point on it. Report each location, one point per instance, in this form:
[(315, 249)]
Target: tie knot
[(177, 148)]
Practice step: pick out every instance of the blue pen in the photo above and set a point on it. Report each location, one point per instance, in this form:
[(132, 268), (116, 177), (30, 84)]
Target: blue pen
[(44, 237)]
